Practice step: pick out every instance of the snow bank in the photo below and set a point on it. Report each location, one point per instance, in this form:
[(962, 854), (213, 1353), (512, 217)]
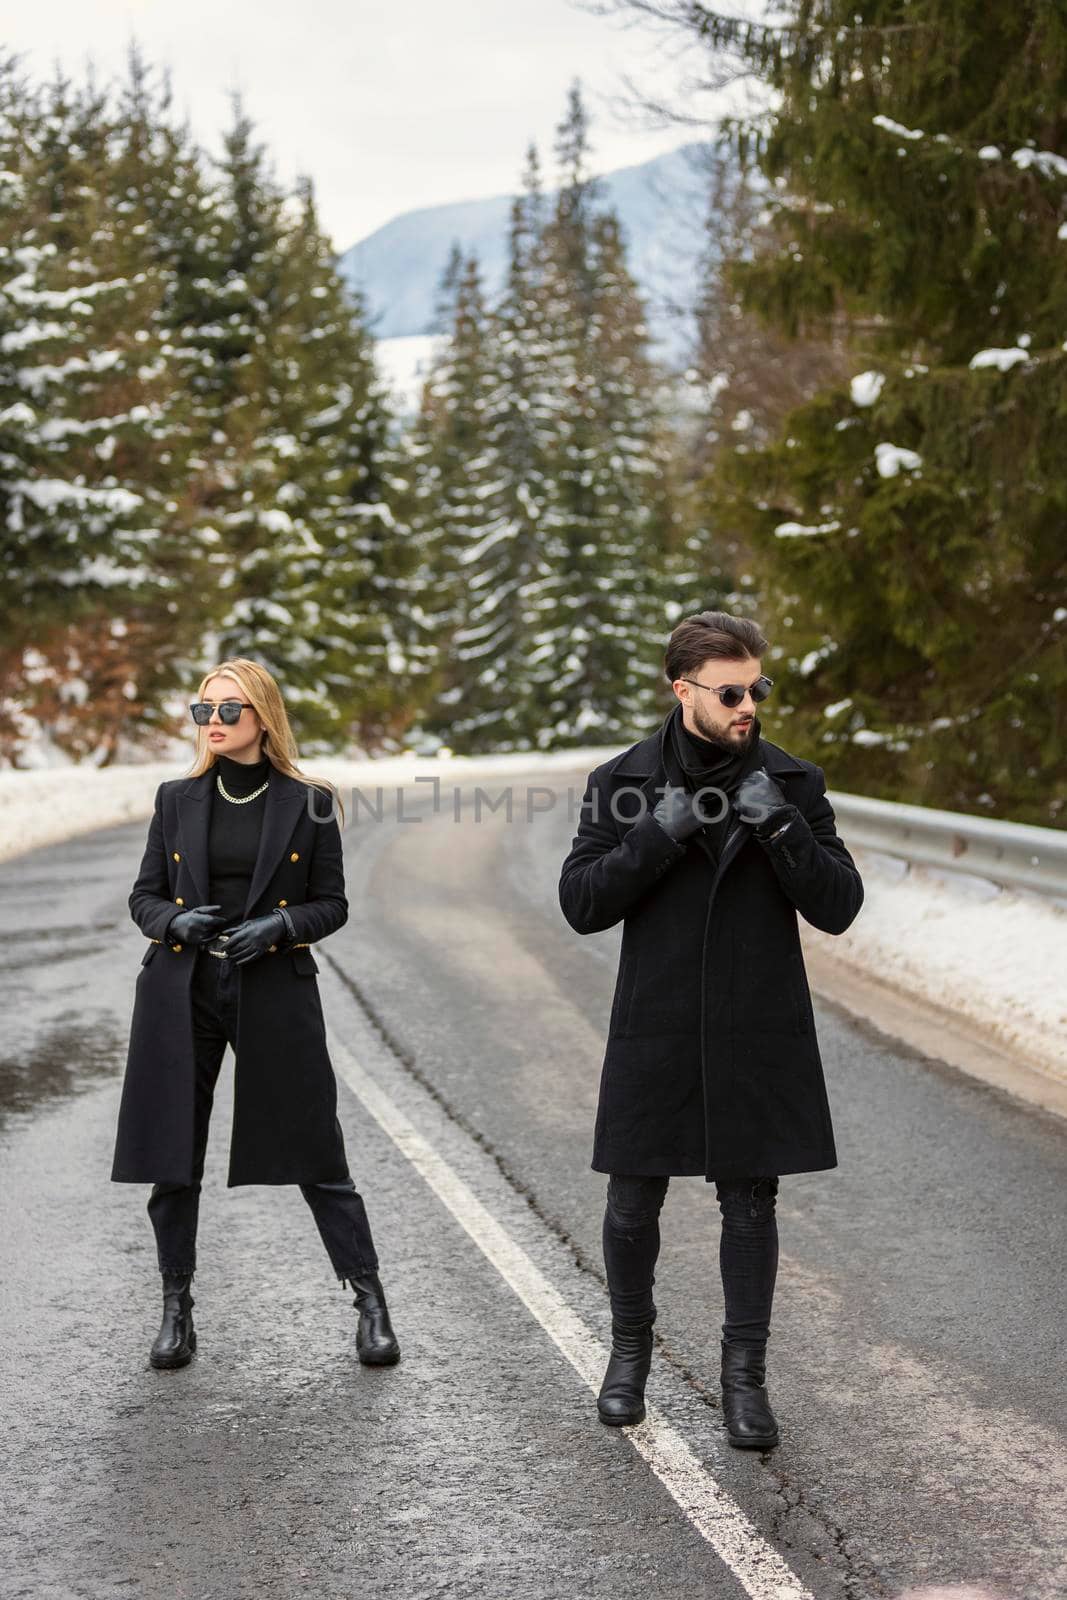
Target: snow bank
[(992, 955), (55, 803)]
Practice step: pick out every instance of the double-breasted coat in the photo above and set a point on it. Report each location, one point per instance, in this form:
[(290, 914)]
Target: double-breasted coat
[(712, 1065), (285, 1127)]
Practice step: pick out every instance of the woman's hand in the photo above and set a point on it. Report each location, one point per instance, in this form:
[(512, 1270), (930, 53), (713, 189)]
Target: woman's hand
[(249, 940), (198, 926)]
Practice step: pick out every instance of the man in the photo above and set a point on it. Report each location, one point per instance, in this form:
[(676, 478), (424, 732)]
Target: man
[(712, 1066)]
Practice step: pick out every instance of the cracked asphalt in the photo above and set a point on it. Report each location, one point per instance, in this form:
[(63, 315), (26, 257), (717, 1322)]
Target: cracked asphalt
[(916, 1362)]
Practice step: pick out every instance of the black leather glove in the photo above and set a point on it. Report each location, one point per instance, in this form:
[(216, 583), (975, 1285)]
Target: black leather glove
[(759, 794), (677, 815), (197, 926), (252, 939)]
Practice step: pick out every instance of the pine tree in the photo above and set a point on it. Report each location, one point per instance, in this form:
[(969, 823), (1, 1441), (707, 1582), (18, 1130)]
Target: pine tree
[(455, 485), (597, 655), (510, 577), (745, 377), (25, 582), (85, 498), (908, 527), (229, 309), (542, 476), (327, 581), (156, 187), (195, 451)]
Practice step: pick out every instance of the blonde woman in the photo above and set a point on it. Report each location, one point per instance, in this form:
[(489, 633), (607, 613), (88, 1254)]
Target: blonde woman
[(242, 875)]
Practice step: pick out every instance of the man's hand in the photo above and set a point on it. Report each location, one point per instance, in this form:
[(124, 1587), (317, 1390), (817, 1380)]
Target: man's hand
[(768, 808), (198, 926), (677, 815), (252, 939)]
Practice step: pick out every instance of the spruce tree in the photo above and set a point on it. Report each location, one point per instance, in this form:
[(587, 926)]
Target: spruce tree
[(909, 526), (598, 652), (512, 578), (330, 576), (229, 309), (85, 496), (542, 478), (744, 379), (155, 182), (455, 509)]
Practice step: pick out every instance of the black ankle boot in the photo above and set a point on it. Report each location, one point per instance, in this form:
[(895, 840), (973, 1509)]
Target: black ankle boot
[(376, 1343), (176, 1340), (621, 1400), (750, 1423)]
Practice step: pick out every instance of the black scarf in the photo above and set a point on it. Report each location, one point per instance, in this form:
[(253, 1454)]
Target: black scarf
[(705, 765)]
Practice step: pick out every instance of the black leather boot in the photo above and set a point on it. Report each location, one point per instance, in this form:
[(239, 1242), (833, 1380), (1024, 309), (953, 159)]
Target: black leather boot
[(621, 1400), (750, 1423), (376, 1343), (176, 1340)]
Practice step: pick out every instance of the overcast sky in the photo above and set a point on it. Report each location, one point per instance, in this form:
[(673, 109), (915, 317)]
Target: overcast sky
[(389, 106)]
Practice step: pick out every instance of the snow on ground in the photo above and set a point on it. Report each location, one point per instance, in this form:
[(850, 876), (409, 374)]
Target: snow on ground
[(995, 957)]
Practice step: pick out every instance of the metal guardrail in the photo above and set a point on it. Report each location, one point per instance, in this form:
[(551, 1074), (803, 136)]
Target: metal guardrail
[(1010, 853)]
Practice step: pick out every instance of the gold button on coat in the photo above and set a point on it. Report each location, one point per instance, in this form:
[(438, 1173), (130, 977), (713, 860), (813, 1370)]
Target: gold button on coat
[(179, 901), (177, 855), (175, 948), (295, 856), (282, 903)]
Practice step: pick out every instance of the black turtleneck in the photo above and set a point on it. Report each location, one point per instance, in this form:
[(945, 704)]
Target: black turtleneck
[(233, 834)]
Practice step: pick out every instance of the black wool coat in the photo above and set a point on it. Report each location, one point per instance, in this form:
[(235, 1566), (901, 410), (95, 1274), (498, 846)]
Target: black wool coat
[(285, 1127), (712, 1065)]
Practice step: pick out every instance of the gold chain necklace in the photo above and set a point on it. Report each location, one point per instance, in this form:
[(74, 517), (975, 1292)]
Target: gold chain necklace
[(238, 799)]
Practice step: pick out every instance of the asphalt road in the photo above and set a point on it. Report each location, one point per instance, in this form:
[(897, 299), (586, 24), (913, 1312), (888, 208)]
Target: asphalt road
[(916, 1363)]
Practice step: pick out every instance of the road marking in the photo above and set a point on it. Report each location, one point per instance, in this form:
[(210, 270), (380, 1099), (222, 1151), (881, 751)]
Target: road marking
[(715, 1514)]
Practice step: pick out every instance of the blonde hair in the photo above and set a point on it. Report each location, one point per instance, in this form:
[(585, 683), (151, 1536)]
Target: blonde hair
[(260, 689)]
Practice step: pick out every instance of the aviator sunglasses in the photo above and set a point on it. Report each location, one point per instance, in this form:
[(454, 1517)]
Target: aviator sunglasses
[(732, 694), (229, 710)]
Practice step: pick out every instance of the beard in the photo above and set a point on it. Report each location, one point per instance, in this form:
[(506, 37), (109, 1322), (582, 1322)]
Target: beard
[(730, 742)]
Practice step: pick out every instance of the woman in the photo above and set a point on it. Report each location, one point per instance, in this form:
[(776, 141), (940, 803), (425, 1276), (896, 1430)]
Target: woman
[(242, 874)]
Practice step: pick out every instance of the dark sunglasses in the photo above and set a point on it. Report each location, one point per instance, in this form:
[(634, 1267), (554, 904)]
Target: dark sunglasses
[(732, 694), (229, 710)]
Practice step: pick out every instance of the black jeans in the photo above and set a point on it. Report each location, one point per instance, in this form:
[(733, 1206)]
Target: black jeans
[(338, 1209), (748, 1251)]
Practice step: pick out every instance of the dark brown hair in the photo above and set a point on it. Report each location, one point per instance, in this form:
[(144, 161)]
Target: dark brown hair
[(710, 635)]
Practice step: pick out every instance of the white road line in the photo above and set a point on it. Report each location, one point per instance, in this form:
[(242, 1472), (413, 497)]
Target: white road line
[(714, 1514)]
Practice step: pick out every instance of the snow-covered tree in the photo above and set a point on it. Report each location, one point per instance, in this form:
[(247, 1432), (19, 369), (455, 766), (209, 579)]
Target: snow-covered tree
[(88, 406), (329, 581), (600, 647), (195, 454), (511, 577), (455, 499), (908, 525), (540, 466)]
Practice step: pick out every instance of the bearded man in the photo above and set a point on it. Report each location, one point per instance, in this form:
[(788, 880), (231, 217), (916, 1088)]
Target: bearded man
[(705, 840)]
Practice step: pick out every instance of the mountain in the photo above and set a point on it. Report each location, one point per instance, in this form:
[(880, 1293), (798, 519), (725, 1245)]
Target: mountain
[(662, 205)]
